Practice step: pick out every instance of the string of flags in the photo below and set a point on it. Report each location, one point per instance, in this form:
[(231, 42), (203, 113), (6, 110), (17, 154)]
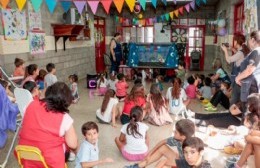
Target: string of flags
[(161, 18), (93, 4)]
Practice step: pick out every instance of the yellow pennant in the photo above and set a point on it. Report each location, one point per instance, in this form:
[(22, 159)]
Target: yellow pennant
[(119, 5), (131, 4), (20, 4), (4, 3), (171, 15)]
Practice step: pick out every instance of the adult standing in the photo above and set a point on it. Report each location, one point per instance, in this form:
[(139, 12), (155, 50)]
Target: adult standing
[(115, 53), (48, 126), (249, 76), (241, 50)]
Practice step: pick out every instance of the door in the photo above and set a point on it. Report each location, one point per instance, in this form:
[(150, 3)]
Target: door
[(100, 46)]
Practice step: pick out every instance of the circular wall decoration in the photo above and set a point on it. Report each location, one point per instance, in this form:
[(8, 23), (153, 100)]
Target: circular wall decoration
[(179, 35)]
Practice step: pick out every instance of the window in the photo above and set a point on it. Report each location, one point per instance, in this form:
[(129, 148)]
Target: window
[(138, 34), (239, 18)]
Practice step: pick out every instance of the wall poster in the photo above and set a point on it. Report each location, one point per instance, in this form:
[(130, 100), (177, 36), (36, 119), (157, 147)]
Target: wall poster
[(37, 42)]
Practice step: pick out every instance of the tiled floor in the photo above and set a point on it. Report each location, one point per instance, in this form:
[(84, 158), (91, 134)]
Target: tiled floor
[(85, 111)]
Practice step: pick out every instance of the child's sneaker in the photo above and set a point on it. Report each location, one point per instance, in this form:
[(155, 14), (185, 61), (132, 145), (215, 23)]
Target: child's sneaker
[(208, 105), (72, 157), (205, 101), (132, 166), (211, 108)]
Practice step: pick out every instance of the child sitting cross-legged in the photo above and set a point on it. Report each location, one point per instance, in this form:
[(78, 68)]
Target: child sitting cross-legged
[(185, 128), (88, 154)]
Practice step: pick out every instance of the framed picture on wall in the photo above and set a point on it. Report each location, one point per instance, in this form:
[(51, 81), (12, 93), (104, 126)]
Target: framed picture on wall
[(37, 42), (183, 21)]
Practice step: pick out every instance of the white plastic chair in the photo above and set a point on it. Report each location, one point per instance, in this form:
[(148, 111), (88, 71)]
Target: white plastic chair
[(11, 79), (23, 99)]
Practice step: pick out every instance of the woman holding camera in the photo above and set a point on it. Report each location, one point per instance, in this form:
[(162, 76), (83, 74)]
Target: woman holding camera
[(241, 50)]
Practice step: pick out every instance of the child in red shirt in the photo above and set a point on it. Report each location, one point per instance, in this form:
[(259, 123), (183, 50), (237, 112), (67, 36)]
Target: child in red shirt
[(121, 87)]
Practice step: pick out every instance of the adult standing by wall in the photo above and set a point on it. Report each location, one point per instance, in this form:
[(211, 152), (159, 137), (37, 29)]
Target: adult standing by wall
[(241, 50), (115, 53), (249, 76)]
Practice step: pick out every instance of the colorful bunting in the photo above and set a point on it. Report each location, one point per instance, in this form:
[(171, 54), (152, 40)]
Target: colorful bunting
[(187, 7), (65, 5), (164, 2), (154, 2), (204, 1), (131, 4), (106, 4), (175, 2), (51, 4), (171, 15), (20, 4), (167, 16), (198, 2), (192, 4), (176, 12), (80, 5), (142, 3), (4, 3), (181, 10), (93, 6), (119, 5), (36, 4)]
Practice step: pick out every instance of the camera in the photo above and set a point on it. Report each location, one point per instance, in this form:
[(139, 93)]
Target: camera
[(225, 44)]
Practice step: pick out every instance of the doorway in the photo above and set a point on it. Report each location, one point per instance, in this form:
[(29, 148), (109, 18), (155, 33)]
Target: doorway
[(100, 46)]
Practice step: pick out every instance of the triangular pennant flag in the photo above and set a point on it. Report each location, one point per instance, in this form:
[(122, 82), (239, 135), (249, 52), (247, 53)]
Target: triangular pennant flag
[(80, 5), (51, 4), (36, 4), (106, 4), (93, 6), (192, 4), (164, 2), (167, 16), (65, 5), (187, 7), (162, 18), (175, 2), (181, 10), (176, 13), (119, 5), (4, 3), (154, 2), (20, 4), (171, 15), (198, 2), (204, 1), (131, 4), (142, 3)]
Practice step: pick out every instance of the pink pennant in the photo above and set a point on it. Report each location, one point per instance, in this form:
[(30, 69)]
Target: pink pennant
[(175, 2), (192, 4), (93, 6), (106, 4), (80, 5), (187, 7)]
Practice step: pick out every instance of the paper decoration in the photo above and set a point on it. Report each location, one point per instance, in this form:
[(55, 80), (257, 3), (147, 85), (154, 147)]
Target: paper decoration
[(181, 10), (154, 2), (37, 42), (36, 5), (119, 5), (176, 13), (175, 2), (14, 23), (179, 35), (4, 3), (131, 4), (93, 6), (106, 4), (204, 1), (65, 5), (164, 2), (171, 15), (20, 4), (51, 4), (197, 2), (35, 20), (143, 3), (80, 5), (187, 7), (167, 16), (192, 4)]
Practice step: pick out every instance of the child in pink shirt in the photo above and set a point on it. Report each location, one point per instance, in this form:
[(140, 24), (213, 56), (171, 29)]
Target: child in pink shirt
[(191, 88), (121, 87)]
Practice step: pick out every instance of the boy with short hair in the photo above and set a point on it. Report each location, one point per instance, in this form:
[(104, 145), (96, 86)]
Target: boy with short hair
[(184, 129), (50, 78), (87, 155)]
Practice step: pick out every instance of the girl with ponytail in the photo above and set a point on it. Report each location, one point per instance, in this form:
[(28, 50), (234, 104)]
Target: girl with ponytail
[(133, 141), (177, 98)]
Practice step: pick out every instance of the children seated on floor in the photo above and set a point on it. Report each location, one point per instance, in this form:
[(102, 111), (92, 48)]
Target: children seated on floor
[(19, 69), (121, 87), (31, 73), (108, 111), (111, 82), (50, 78), (33, 89), (73, 79), (40, 79), (204, 94), (158, 81), (181, 72), (158, 113), (191, 89), (133, 141), (184, 129), (88, 154)]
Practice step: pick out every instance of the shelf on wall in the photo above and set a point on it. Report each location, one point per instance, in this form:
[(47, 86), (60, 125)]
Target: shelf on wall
[(67, 31)]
